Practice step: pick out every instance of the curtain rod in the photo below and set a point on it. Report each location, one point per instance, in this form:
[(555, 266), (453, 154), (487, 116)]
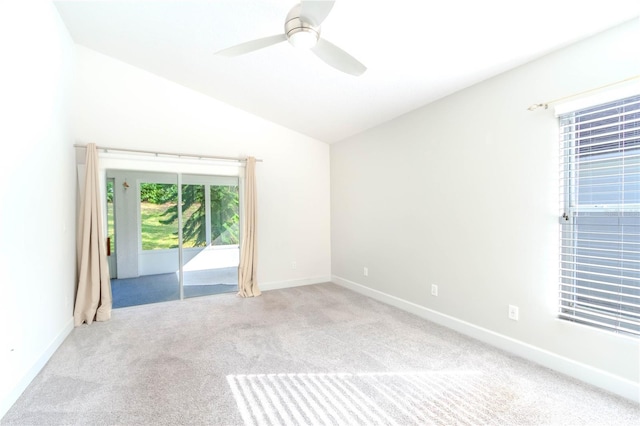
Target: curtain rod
[(174, 154), (545, 105)]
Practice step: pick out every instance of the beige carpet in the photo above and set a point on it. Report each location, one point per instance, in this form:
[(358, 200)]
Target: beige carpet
[(307, 355)]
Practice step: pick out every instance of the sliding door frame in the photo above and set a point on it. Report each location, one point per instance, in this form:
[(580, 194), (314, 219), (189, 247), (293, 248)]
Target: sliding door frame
[(184, 170)]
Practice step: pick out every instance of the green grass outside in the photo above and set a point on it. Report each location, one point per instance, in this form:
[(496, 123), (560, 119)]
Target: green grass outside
[(155, 235), (110, 227), (158, 236)]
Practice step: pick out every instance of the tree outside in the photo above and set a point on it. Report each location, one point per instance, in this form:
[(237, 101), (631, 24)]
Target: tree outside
[(160, 215)]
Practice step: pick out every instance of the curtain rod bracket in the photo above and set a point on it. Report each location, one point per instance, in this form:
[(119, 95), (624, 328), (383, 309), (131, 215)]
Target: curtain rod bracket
[(536, 106)]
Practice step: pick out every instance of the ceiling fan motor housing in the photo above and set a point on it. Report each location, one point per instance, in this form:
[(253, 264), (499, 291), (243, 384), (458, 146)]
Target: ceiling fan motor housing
[(300, 32)]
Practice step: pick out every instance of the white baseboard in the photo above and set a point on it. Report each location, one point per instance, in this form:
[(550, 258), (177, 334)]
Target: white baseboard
[(275, 285), (602, 379), (12, 396)]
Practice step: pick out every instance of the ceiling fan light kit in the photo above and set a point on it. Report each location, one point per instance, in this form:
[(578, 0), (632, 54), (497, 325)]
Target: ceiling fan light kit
[(302, 30), (301, 34)]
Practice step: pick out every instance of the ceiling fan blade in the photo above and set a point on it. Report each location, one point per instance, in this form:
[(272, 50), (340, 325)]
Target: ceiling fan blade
[(315, 10), (338, 58), (250, 46)]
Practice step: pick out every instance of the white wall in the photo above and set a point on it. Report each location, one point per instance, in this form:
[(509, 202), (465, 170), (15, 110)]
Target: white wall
[(463, 193), (118, 105), (37, 192)]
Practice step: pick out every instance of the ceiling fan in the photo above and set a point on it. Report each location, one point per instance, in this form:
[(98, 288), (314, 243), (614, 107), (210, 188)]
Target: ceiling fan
[(302, 30)]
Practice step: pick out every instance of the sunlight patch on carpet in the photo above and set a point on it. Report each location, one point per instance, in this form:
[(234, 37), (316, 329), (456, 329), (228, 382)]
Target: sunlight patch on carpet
[(367, 398)]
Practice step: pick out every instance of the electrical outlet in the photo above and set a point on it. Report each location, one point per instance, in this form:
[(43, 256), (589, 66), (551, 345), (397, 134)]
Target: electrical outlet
[(294, 265), (365, 272), (514, 312), (434, 290)]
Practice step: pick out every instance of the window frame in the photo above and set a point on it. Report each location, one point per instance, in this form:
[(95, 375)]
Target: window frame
[(584, 302)]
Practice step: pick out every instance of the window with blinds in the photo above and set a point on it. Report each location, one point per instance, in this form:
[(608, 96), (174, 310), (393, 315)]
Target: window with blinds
[(600, 209)]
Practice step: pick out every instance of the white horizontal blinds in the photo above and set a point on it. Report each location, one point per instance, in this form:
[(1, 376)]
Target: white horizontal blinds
[(600, 203)]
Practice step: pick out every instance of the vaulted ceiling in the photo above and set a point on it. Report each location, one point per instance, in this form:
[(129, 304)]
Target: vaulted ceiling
[(415, 51)]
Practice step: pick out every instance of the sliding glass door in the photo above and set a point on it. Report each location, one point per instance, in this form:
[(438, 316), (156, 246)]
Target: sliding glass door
[(175, 235), (210, 232)]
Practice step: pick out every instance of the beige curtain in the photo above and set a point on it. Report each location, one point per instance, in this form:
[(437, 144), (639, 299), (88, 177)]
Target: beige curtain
[(93, 294), (247, 281)]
